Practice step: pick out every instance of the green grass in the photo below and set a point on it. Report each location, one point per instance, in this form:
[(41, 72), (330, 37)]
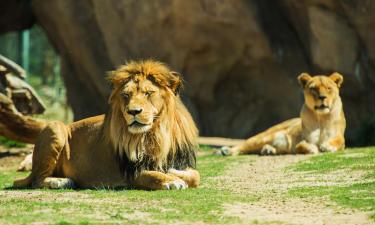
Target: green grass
[(360, 195), (203, 204)]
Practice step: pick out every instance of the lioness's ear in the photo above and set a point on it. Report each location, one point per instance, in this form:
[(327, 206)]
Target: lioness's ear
[(337, 78), (303, 79), (175, 82)]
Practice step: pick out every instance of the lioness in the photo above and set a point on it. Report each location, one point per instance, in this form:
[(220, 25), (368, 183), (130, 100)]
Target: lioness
[(321, 126), (147, 140)]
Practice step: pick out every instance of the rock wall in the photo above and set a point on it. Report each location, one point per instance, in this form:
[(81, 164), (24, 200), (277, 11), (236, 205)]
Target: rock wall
[(239, 58)]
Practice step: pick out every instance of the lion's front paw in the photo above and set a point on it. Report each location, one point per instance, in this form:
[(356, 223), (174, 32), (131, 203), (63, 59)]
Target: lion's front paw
[(58, 183), (326, 147), (268, 150), (175, 185)]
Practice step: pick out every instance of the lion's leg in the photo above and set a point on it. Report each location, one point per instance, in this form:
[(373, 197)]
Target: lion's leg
[(154, 180), (190, 176), (306, 148), (45, 156)]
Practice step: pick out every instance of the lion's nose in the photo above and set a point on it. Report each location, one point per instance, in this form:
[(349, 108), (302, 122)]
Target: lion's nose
[(134, 111), (322, 97)]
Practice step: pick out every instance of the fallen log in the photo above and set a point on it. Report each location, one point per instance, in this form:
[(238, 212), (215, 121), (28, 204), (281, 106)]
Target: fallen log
[(15, 126), (17, 101), (219, 141)]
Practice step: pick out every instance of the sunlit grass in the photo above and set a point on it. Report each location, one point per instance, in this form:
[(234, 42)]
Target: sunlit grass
[(359, 195), (203, 204)]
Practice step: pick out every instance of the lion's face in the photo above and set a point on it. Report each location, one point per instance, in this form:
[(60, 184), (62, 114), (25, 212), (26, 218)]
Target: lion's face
[(141, 92), (320, 91), (141, 103)]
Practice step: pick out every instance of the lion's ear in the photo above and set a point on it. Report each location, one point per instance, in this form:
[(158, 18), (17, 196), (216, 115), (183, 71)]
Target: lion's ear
[(117, 78), (303, 79), (337, 78), (175, 82)]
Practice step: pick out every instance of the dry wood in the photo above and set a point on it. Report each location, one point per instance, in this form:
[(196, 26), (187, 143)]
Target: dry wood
[(14, 125), (219, 141)]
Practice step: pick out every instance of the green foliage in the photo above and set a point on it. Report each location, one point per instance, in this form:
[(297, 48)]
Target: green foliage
[(44, 71), (9, 44), (10, 143)]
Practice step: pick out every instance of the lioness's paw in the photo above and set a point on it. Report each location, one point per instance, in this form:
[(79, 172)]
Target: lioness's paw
[(175, 185), (223, 151), (26, 164), (306, 148), (268, 150), (313, 149), (326, 147)]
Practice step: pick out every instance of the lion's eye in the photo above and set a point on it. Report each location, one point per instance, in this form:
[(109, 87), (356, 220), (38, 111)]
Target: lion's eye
[(148, 93), (125, 96)]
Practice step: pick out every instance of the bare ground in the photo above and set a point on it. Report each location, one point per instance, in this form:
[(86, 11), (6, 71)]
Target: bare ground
[(11, 157), (267, 179), (264, 178)]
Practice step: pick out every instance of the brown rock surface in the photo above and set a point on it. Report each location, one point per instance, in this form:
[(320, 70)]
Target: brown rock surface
[(240, 59)]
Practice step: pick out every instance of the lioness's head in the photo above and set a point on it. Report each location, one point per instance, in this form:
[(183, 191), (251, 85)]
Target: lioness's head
[(320, 91), (141, 90)]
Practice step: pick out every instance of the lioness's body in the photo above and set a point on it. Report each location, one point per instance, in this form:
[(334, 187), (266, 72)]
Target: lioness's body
[(146, 140), (321, 125)]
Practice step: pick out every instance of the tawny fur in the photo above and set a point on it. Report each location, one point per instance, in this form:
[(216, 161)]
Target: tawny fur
[(121, 148), (320, 128)]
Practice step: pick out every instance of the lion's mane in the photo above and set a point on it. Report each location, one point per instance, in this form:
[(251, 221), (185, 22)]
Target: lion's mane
[(171, 143)]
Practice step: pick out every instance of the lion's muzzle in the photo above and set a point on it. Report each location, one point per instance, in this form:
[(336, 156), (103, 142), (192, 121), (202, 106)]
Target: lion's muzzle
[(134, 112)]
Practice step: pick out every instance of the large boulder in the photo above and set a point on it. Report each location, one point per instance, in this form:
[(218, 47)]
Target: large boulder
[(240, 59), (232, 72)]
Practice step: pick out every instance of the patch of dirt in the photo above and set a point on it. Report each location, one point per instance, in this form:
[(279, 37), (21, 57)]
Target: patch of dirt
[(266, 178), (11, 157)]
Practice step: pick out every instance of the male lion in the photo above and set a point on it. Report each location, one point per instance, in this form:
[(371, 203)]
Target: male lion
[(147, 140), (321, 126)]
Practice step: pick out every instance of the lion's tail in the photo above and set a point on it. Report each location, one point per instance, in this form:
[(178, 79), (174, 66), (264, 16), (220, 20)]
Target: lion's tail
[(254, 144), (23, 183)]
